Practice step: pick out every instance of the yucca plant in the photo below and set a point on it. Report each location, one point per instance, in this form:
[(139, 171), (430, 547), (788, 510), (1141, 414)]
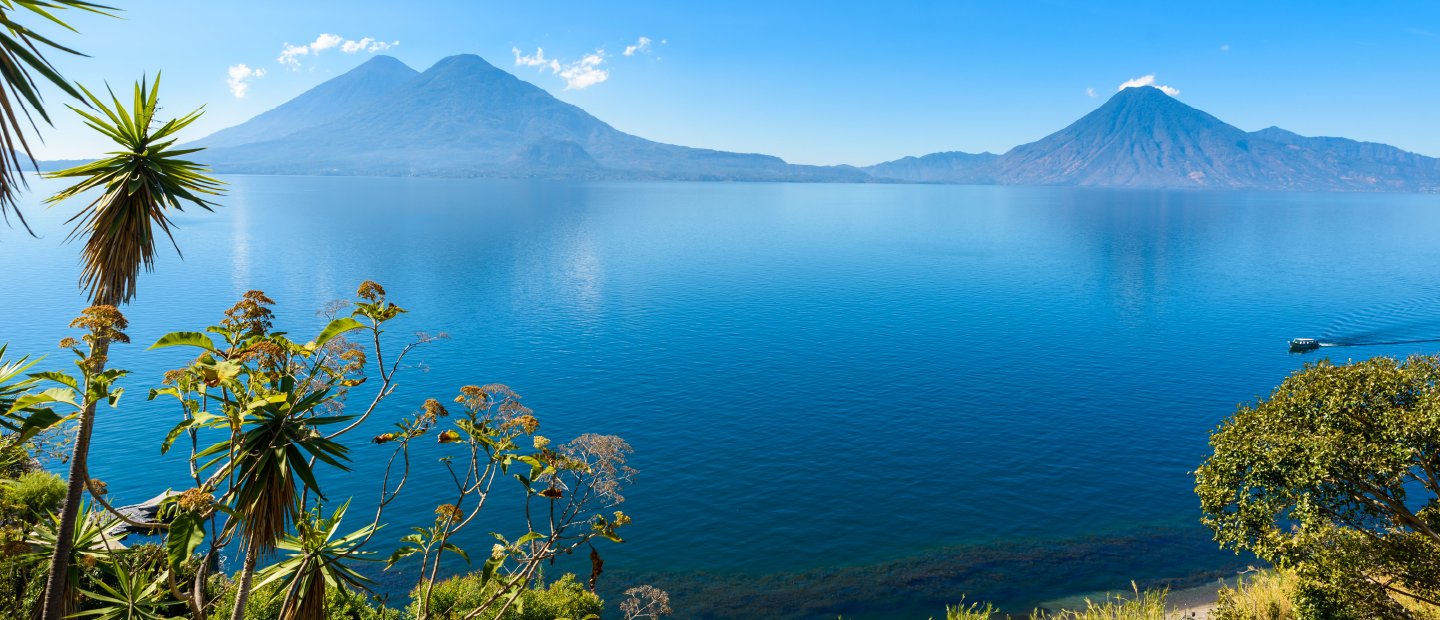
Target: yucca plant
[(317, 558), (23, 67), (270, 461), (274, 396), (139, 183), (13, 383), (103, 324), (85, 544), (136, 595)]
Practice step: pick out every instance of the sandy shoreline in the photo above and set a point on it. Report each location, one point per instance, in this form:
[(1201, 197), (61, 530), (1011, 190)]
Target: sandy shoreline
[(1192, 603)]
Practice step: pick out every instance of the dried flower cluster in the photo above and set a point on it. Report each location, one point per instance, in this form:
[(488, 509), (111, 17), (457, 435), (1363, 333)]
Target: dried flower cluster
[(646, 602), (251, 316)]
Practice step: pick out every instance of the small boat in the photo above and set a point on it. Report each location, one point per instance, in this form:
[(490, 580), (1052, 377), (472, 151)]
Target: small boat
[(1304, 344)]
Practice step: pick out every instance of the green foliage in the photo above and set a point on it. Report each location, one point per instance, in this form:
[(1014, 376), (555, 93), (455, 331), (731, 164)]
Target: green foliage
[(453, 598), (135, 595), (138, 184), (260, 413), (17, 425), (1336, 475), (22, 61), (265, 603), (32, 495), (1260, 596), (276, 392), (318, 559), (22, 578)]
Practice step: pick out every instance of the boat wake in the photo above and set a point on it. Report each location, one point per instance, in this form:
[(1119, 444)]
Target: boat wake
[(1412, 321), (1324, 343)]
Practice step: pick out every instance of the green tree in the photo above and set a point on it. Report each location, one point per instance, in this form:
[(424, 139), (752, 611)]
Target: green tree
[(81, 394), (276, 404), (1337, 474), (138, 184)]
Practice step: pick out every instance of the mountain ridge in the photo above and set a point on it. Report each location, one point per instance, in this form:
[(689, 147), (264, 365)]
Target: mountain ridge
[(466, 117), (1144, 138)]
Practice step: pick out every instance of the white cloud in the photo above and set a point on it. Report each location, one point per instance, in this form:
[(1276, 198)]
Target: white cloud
[(366, 44), (642, 45), (578, 75), (290, 54), (1089, 92), (239, 77), (537, 60), (1148, 80), (586, 72), (325, 42), (1225, 47)]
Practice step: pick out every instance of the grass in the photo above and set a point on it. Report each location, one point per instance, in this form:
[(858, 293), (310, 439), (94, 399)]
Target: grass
[(1263, 595), (1146, 605), (973, 611)]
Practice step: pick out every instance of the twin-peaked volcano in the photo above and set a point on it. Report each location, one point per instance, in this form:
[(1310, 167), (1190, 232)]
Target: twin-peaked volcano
[(465, 117)]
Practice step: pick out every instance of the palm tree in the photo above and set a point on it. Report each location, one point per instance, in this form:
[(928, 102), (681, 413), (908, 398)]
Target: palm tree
[(141, 182), (22, 60), (271, 468), (317, 559), (138, 183)]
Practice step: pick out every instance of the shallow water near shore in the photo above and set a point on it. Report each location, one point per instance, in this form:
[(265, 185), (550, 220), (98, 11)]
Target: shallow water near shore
[(858, 399)]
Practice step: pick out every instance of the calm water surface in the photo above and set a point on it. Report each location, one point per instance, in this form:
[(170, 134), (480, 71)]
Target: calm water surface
[(865, 399)]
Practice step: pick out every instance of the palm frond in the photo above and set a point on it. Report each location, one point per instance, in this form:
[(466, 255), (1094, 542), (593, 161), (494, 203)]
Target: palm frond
[(23, 67), (316, 560), (139, 183)]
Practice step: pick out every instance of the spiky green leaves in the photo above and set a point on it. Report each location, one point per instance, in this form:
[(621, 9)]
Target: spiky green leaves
[(23, 67), (317, 558), (139, 183)]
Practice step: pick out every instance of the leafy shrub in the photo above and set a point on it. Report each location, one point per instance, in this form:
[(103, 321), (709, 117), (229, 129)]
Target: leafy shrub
[(22, 581), (1334, 476), (457, 596), (32, 495)]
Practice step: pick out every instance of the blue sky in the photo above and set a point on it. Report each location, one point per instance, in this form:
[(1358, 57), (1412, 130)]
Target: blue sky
[(812, 82)]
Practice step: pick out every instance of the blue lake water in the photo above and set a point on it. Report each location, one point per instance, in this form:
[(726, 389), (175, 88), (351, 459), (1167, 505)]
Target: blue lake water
[(866, 399)]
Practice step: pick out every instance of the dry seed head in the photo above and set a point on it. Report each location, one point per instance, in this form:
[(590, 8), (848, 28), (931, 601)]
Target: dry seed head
[(433, 408), (448, 512), (370, 290), (102, 321)]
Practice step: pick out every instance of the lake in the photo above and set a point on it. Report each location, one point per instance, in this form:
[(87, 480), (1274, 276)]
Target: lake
[(858, 399)]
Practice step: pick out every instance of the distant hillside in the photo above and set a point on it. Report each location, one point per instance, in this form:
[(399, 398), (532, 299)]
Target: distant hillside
[(465, 117), (947, 167), (1142, 137), (353, 91)]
